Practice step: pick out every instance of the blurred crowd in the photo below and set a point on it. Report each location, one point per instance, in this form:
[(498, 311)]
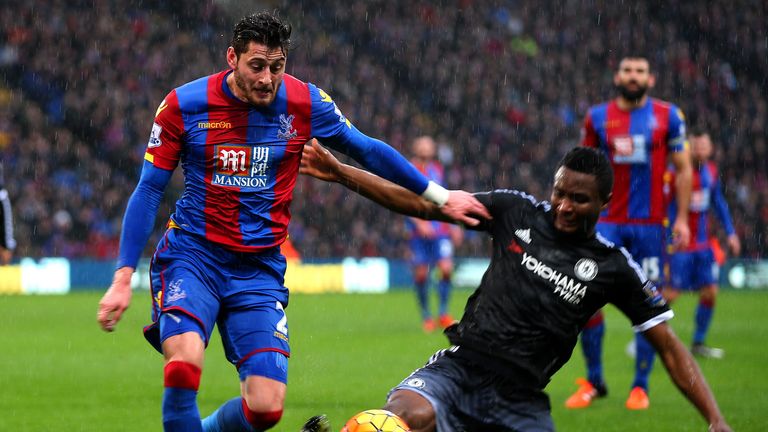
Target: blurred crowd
[(502, 85)]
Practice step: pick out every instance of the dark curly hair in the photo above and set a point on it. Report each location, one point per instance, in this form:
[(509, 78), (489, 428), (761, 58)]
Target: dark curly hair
[(263, 27)]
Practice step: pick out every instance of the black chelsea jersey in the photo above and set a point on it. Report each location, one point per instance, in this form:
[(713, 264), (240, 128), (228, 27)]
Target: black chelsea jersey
[(541, 288)]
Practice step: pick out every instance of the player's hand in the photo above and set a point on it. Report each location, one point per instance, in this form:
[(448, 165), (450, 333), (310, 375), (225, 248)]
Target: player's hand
[(463, 207), (734, 245), (719, 426), (5, 256), (681, 234), (319, 162), (116, 300), (424, 228)]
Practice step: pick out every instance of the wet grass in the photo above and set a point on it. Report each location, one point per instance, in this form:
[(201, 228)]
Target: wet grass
[(59, 372)]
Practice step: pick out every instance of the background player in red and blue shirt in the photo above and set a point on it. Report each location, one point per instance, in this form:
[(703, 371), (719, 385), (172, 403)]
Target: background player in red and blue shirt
[(239, 136), (638, 134), (695, 268), (431, 242)]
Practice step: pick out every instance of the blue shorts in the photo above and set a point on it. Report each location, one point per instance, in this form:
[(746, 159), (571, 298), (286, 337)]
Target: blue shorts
[(197, 284), (430, 251), (467, 396), (646, 244), (692, 270)]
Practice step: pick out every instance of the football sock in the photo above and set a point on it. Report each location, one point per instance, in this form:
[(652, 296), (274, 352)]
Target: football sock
[(704, 312), (422, 295), (592, 347), (443, 292), (643, 361), (181, 381), (229, 417)]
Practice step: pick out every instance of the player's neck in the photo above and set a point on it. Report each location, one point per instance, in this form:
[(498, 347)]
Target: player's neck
[(625, 104)]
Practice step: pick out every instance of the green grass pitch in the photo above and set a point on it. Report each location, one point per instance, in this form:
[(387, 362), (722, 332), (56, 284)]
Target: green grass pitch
[(59, 372)]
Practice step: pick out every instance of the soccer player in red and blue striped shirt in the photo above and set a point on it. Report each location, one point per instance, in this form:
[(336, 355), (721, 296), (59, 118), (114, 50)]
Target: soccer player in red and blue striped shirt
[(695, 268), (239, 136), (639, 135), (431, 242)]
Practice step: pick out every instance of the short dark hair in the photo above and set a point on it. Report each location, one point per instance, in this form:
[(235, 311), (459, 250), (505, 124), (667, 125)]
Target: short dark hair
[(263, 27), (634, 56), (591, 161), (698, 131)]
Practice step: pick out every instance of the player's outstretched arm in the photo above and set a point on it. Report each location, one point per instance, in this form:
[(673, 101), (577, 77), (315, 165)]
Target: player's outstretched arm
[(319, 162), (137, 227), (686, 375)]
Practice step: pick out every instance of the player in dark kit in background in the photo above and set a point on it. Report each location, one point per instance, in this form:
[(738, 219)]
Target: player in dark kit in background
[(549, 273), (239, 135), (638, 134), (7, 241), (431, 243), (694, 268)]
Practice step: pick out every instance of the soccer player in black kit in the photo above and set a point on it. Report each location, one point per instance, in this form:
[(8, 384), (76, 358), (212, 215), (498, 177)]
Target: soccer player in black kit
[(550, 271)]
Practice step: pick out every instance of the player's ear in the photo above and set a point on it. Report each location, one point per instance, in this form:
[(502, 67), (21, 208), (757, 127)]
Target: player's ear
[(231, 57), (607, 202), (651, 80)]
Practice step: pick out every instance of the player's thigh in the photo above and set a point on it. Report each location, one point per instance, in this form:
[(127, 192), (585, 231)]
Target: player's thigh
[(647, 248), (254, 332), (182, 292), (681, 271), (414, 409), (705, 268), (444, 256), (439, 385), (421, 251)]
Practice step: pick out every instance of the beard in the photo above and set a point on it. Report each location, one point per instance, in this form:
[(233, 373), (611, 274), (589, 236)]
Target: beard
[(633, 96), (248, 92)]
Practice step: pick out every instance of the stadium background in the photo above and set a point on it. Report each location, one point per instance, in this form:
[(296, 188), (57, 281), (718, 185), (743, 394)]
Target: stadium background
[(502, 85)]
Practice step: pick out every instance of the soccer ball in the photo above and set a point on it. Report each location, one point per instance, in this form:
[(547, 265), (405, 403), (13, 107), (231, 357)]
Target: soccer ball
[(375, 420)]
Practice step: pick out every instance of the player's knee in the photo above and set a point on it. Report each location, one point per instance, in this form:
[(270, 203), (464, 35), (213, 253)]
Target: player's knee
[(708, 294), (413, 408), (420, 276), (264, 401), (263, 395), (670, 294)]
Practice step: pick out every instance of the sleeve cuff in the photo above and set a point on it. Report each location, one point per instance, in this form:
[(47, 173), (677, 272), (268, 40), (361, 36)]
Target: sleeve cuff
[(658, 319), (436, 193)]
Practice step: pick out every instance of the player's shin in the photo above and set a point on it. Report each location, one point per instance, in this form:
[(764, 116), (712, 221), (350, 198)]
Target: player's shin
[(592, 347), (643, 362), (181, 381), (704, 312)]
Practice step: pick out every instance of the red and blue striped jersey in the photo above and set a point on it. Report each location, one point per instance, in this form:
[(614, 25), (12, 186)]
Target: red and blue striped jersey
[(433, 170), (637, 143), (241, 162), (706, 194)]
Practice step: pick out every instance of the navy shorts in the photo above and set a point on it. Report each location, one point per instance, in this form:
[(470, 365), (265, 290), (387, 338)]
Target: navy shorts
[(692, 270), (197, 284), (468, 397)]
